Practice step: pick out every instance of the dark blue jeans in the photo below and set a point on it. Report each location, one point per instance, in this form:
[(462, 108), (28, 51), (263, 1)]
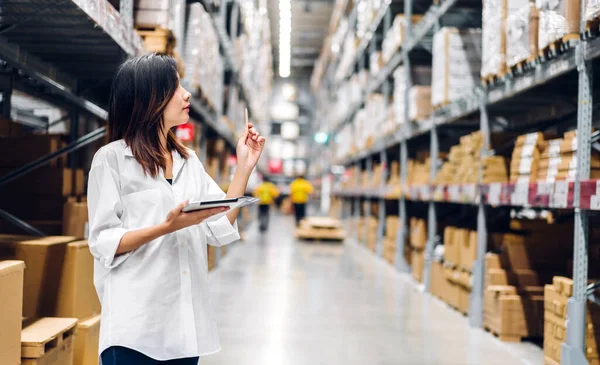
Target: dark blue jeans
[(117, 355)]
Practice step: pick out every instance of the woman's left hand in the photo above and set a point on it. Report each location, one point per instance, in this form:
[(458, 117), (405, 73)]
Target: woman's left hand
[(249, 148)]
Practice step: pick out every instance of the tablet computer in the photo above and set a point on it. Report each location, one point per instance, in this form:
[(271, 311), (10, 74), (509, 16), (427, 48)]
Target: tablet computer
[(201, 205), (232, 203)]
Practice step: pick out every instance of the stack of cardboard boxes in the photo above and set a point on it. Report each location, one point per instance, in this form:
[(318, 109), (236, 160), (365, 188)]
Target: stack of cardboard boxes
[(460, 251), (513, 299), (393, 183), (556, 296), (392, 224), (418, 241), (526, 157), (463, 162), (558, 160), (47, 188), (456, 64), (418, 173), (494, 170), (58, 299)]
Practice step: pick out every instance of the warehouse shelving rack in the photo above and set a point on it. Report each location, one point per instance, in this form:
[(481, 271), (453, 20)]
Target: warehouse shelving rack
[(65, 52), (581, 196)]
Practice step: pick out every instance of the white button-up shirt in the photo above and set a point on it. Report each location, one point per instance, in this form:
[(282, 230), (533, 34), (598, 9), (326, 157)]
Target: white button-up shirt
[(155, 299)]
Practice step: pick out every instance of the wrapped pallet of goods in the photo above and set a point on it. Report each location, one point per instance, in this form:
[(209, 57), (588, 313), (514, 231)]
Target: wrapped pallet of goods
[(419, 96), (558, 24), (203, 63), (493, 57), (395, 36), (521, 37), (456, 64), (376, 115)]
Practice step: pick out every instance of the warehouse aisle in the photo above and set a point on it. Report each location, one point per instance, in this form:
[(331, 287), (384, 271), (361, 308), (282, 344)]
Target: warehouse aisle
[(282, 302)]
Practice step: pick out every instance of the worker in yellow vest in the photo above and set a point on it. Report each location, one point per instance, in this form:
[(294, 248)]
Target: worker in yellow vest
[(300, 190), (267, 192)]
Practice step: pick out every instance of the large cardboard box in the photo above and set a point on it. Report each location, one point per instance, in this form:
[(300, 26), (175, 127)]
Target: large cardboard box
[(16, 152), (44, 258), (418, 264), (48, 341), (87, 336), (11, 308), (53, 181), (75, 219), (468, 251), (77, 296)]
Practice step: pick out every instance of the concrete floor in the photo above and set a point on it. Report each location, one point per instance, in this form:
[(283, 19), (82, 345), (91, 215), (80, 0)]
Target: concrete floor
[(283, 302)]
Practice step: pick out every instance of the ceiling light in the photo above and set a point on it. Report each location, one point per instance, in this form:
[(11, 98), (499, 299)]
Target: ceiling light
[(285, 33)]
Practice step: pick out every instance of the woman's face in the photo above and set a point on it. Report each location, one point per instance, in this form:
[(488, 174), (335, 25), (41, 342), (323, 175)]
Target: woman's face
[(177, 111)]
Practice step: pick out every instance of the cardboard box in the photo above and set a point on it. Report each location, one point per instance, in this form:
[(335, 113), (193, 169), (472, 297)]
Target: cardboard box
[(392, 224), (56, 181), (16, 152), (79, 187), (44, 258), (418, 233), (87, 336), (48, 341), (418, 264), (11, 309), (468, 251), (77, 296), (75, 219)]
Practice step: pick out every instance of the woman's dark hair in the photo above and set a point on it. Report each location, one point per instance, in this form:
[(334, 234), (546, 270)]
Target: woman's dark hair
[(140, 92)]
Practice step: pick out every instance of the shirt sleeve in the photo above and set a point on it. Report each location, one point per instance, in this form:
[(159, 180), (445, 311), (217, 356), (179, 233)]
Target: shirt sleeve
[(105, 210), (220, 232)]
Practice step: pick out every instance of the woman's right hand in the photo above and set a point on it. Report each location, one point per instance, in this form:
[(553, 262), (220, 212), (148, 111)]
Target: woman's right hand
[(177, 219)]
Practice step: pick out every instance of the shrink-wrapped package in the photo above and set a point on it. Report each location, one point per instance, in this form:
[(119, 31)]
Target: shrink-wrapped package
[(521, 35), (456, 64)]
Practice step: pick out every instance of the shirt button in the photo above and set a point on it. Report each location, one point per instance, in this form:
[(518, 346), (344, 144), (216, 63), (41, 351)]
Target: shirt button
[(185, 272)]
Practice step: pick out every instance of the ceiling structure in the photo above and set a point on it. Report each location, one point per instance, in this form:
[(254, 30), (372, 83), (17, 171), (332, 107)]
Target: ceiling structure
[(310, 22)]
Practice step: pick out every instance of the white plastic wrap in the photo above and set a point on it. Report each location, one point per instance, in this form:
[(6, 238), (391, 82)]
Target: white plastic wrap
[(557, 19), (592, 10), (456, 64), (203, 63), (493, 45), (520, 32), (399, 87), (419, 98)]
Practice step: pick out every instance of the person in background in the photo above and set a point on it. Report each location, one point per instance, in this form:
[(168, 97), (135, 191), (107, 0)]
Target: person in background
[(300, 190), (267, 192)]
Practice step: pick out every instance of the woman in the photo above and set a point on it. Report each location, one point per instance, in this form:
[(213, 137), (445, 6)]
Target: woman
[(150, 257)]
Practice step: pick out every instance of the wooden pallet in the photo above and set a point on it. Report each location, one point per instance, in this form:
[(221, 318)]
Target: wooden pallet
[(41, 336), (524, 65), (319, 235), (159, 40), (592, 29), (320, 228), (558, 47), (503, 338), (492, 80)]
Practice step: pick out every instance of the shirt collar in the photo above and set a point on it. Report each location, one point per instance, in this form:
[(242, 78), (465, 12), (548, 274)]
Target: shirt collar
[(178, 161)]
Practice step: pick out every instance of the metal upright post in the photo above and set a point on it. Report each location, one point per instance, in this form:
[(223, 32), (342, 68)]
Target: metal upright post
[(368, 213), (381, 226), (235, 16), (126, 10), (357, 200), (6, 88), (401, 263), (432, 216), (476, 299), (573, 350), (73, 135)]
